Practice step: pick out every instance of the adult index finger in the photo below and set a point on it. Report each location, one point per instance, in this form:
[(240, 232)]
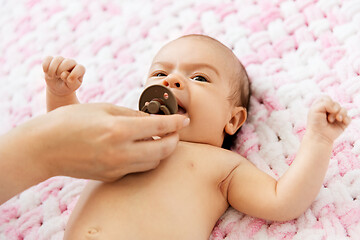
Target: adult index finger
[(158, 125)]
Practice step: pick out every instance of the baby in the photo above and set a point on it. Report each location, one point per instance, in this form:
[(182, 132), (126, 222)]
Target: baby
[(188, 192)]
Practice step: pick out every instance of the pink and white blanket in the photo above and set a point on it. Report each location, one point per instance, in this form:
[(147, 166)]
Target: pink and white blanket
[(294, 51)]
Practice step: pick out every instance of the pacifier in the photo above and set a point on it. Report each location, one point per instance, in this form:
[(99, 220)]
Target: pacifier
[(158, 99)]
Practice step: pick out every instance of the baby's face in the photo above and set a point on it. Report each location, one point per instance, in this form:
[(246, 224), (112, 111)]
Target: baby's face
[(198, 71)]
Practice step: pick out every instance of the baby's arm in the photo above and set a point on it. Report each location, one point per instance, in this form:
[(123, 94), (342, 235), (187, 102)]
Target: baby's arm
[(63, 77), (255, 193)]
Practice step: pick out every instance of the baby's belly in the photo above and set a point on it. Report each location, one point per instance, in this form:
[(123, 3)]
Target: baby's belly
[(175, 201)]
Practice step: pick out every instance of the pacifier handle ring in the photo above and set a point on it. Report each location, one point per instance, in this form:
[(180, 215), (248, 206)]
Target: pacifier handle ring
[(165, 110)]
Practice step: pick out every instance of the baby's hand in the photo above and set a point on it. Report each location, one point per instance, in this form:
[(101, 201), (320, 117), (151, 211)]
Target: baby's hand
[(327, 119), (63, 76)]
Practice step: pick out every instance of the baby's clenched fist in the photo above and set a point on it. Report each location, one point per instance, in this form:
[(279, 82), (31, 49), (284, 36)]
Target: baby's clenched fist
[(327, 119), (63, 76)]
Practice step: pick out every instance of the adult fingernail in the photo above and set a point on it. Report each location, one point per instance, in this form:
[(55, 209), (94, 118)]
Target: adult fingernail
[(186, 122)]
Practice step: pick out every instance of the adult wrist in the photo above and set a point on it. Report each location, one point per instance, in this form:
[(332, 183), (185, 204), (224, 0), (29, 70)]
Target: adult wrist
[(21, 165), (28, 143)]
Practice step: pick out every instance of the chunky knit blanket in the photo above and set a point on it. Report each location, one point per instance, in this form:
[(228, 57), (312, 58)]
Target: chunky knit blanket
[(293, 50)]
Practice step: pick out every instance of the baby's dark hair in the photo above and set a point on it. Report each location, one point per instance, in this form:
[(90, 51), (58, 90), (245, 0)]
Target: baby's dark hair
[(240, 85)]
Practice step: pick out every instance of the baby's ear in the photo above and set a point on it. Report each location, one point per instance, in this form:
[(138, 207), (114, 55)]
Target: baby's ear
[(238, 117)]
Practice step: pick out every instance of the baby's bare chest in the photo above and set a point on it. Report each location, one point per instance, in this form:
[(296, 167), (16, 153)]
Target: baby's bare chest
[(181, 197)]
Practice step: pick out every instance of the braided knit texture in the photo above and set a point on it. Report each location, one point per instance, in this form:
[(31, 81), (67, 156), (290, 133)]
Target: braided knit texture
[(293, 50)]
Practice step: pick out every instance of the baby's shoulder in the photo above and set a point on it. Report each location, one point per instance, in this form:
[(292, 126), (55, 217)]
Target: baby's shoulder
[(210, 154), (215, 163)]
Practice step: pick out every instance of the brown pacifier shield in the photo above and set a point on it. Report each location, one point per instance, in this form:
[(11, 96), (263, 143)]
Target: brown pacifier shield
[(158, 99)]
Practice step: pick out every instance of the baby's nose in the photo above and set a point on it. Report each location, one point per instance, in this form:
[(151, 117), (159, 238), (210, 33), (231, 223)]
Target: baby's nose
[(173, 82)]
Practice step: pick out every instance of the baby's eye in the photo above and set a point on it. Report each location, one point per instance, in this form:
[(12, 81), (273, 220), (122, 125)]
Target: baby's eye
[(200, 79), (160, 75)]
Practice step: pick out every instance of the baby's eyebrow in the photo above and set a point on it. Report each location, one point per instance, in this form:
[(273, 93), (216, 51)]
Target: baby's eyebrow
[(203, 65), (189, 65), (164, 64)]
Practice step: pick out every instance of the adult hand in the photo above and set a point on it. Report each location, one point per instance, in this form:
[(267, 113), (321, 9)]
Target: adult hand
[(94, 141)]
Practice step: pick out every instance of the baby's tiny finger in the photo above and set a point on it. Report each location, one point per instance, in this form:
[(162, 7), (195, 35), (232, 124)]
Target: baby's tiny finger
[(66, 65), (46, 63), (331, 118), (77, 73), (336, 107), (64, 75), (341, 115), (54, 65), (326, 105)]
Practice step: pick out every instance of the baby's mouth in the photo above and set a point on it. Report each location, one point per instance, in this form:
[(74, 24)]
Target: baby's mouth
[(181, 110)]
